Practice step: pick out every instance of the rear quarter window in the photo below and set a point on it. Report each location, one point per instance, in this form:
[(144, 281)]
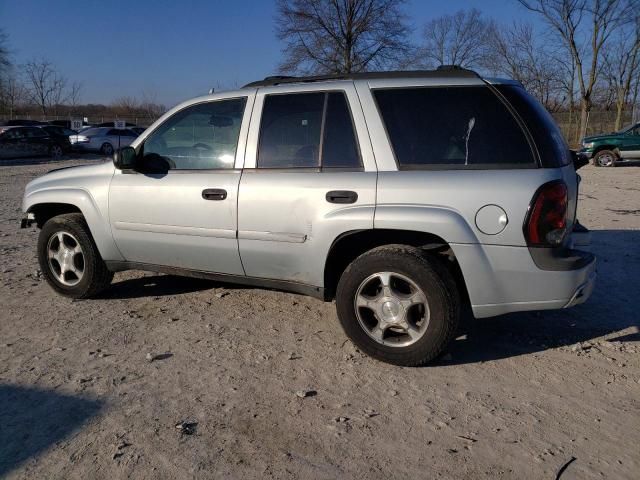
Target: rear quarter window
[(549, 141), (452, 128)]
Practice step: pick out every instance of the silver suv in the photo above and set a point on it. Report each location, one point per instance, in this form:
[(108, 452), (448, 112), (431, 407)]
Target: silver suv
[(406, 197)]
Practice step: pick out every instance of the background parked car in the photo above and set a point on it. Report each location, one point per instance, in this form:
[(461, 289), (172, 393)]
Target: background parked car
[(28, 142), (611, 148), (105, 140), (111, 124), (67, 124), (60, 135), (23, 123)]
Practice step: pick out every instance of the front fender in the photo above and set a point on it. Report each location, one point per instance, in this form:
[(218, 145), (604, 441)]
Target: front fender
[(94, 211)]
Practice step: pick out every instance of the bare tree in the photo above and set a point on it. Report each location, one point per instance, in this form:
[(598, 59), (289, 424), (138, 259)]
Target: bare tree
[(126, 106), (458, 39), (5, 61), (150, 106), (341, 36), (585, 27), (622, 67), (74, 94), (45, 87), (12, 93), (519, 53)]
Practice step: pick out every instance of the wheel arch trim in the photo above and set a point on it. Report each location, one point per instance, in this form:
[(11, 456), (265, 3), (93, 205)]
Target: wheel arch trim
[(82, 200)]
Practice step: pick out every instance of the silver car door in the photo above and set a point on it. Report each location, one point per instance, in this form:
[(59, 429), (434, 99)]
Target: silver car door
[(179, 208), (308, 179)]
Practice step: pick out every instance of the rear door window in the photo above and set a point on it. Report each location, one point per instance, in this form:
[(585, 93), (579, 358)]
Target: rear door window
[(307, 130), (452, 127), (339, 148)]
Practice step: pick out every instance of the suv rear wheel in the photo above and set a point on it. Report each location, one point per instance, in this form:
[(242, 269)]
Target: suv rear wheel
[(398, 305), (56, 151), (69, 259)]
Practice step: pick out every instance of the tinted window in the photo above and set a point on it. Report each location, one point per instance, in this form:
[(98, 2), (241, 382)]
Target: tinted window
[(13, 133), (93, 131), (33, 132), (339, 148), (204, 136), (452, 127), (551, 145), (119, 132), (291, 132), (54, 130)]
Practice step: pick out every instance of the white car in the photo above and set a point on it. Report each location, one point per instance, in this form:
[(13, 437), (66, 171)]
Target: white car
[(105, 140)]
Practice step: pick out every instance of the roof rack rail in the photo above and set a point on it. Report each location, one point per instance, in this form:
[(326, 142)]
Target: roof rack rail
[(441, 71)]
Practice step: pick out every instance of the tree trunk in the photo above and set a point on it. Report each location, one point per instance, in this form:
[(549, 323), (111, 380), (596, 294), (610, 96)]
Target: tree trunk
[(619, 112), (585, 108)]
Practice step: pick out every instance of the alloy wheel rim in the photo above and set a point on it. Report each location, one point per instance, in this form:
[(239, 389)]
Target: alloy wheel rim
[(56, 151), (605, 160), (392, 309), (65, 258)]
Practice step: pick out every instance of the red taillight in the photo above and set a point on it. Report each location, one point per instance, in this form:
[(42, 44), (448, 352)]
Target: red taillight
[(546, 223)]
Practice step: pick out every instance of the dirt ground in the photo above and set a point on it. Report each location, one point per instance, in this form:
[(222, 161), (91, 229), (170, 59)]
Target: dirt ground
[(516, 397)]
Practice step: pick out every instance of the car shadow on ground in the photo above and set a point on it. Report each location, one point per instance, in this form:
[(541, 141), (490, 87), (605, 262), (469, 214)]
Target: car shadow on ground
[(612, 307), (32, 420), (161, 285)]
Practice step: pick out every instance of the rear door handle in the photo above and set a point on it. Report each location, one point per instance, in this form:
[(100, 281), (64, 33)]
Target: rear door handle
[(214, 194), (342, 196)]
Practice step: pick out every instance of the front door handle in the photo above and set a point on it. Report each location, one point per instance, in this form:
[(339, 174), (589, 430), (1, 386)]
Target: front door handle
[(214, 194), (342, 196)]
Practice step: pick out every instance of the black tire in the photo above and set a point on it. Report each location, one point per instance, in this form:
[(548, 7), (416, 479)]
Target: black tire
[(106, 149), (430, 274), (56, 151), (95, 277), (605, 158)]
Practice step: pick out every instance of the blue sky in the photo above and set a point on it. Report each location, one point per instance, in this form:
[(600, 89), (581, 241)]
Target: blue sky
[(173, 49)]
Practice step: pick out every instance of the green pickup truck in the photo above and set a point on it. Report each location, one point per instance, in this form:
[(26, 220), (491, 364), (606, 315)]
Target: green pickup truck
[(609, 149)]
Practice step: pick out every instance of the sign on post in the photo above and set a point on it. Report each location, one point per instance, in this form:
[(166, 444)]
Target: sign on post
[(119, 124), (76, 124)]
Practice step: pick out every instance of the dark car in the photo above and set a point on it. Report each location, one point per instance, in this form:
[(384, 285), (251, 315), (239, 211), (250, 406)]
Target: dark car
[(60, 135), (28, 142), (23, 123), (111, 124)]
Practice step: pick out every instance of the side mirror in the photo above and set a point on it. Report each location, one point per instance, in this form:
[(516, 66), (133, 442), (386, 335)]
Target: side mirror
[(125, 158)]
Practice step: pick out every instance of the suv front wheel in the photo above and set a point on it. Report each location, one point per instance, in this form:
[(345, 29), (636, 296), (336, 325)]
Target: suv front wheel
[(69, 259), (398, 305), (605, 158)]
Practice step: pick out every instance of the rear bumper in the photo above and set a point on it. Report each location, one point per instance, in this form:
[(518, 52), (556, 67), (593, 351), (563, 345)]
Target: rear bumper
[(504, 279), (583, 292)]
